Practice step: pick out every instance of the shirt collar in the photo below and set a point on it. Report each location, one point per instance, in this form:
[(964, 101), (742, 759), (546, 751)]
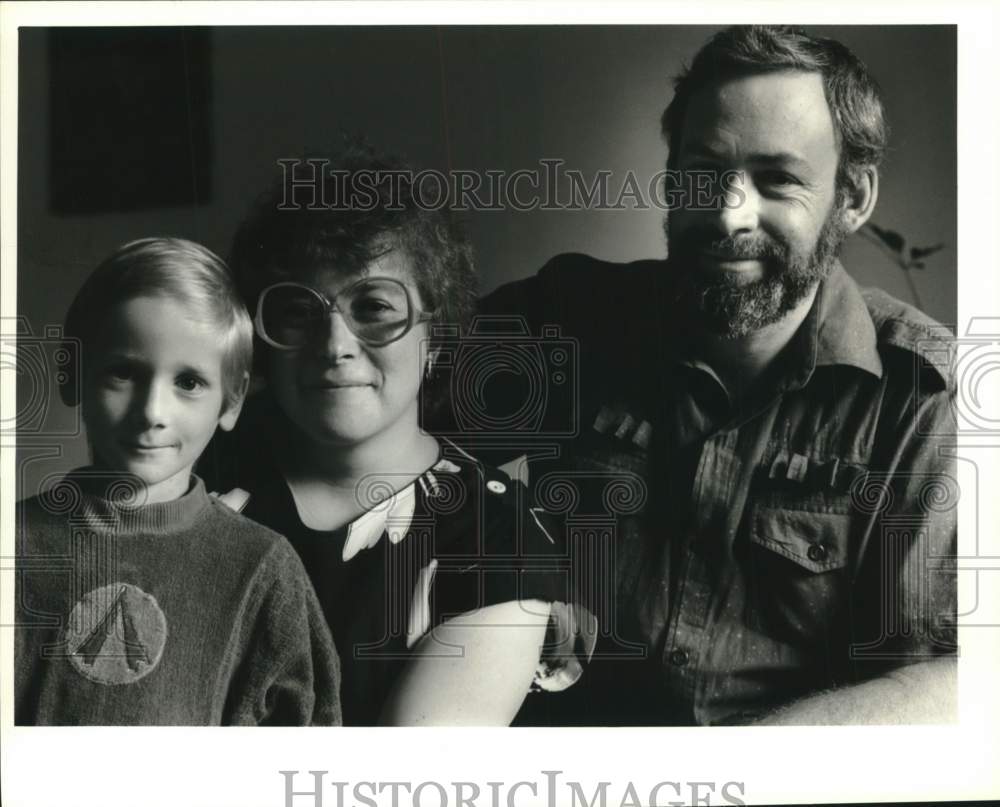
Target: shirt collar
[(392, 516), (839, 329)]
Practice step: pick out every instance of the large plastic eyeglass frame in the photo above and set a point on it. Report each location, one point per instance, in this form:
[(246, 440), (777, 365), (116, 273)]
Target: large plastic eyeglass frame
[(414, 315)]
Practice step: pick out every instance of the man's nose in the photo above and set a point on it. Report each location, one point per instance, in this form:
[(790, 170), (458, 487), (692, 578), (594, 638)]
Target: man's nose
[(336, 341), (739, 208)]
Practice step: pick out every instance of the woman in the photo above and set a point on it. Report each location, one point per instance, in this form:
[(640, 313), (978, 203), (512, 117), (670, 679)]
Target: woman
[(430, 567)]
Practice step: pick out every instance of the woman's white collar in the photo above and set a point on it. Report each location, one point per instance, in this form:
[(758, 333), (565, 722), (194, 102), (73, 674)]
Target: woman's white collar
[(392, 516)]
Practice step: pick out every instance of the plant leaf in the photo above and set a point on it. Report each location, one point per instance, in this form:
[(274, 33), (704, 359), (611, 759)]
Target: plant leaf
[(922, 252), (890, 238)]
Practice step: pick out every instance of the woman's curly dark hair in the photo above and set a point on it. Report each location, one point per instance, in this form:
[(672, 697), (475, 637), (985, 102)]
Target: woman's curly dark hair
[(344, 210)]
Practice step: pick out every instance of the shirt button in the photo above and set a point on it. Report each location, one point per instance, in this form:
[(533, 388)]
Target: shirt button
[(817, 552), (495, 486), (679, 657)]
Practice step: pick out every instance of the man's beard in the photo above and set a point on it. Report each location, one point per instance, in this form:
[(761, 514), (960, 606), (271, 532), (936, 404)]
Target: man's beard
[(732, 307)]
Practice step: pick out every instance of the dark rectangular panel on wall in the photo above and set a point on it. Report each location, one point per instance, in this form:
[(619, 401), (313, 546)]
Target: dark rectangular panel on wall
[(130, 126)]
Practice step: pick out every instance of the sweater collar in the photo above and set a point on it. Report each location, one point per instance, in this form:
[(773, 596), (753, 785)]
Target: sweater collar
[(97, 500)]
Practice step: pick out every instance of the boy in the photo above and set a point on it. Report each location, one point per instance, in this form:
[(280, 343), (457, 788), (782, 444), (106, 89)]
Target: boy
[(141, 599)]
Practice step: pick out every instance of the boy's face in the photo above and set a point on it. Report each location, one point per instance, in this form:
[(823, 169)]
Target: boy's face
[(153, 393)]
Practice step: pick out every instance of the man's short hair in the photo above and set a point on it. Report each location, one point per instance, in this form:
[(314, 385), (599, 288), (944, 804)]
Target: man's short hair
[(853, 96), (177, 269)]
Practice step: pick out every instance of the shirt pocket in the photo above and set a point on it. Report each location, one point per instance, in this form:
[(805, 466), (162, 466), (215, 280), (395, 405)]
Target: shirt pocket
[(815, 540), (797, 577)]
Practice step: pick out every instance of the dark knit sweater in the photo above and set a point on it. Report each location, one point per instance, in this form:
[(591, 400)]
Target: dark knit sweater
[(180, 613)]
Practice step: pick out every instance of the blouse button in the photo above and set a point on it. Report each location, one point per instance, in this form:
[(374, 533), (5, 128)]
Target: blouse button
[(495, 486)]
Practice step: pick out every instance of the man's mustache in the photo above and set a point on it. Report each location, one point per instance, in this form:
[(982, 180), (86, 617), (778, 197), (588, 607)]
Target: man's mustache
[(735, 248)]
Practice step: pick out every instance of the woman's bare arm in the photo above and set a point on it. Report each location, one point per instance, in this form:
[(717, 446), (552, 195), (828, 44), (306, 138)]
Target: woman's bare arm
[(473, 670)]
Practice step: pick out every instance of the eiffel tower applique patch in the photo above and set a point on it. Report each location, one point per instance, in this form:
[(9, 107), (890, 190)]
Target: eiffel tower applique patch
[(116, 634)]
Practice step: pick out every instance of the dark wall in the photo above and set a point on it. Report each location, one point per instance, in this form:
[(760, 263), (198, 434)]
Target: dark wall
[(465, 98)]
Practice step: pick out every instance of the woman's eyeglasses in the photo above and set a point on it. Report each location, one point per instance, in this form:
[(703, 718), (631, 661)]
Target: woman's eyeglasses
[(377, 310)]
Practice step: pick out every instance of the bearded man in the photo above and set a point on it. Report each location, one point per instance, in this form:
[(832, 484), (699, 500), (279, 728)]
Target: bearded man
[(784, 551)]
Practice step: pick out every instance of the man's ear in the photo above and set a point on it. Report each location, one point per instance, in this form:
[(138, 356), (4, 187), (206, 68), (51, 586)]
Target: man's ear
[(860, 198), (232, 408)]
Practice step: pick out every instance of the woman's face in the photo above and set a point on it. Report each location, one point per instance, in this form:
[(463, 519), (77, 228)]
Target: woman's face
[(340, 391)]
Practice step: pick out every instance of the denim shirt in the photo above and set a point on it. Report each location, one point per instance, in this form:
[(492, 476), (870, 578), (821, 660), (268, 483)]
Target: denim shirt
[(795, 540)]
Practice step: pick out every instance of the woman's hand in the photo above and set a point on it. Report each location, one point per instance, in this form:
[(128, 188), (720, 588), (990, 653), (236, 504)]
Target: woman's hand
[(473, 670)]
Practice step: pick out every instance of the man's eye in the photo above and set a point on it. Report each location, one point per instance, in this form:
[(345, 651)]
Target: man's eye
[(702, 174), (777, 179)]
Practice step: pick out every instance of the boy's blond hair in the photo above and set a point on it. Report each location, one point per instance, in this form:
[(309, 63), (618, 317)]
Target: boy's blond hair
[(169, 267)]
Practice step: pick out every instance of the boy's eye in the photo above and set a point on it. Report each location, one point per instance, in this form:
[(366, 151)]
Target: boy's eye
[(190, 383)]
